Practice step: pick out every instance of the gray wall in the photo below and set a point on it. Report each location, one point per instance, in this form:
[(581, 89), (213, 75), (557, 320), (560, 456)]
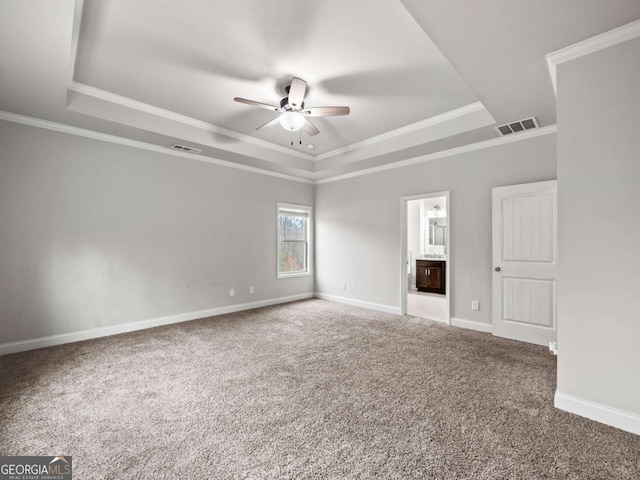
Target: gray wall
[(599, 227), (95, 234), (358, 222)]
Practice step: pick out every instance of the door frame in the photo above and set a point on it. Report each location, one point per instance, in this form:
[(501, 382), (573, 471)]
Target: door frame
[(404, 281)]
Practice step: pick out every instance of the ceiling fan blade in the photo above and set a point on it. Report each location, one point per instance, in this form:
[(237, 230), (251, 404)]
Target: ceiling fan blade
[(296, 92), (326, 111), (253, 103), (310, 129), (269, 124)]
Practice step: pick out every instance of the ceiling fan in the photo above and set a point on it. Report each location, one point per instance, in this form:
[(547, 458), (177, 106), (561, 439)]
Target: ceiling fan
[(292, 110)]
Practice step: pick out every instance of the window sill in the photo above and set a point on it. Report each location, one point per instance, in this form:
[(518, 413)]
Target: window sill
[(280, 276)]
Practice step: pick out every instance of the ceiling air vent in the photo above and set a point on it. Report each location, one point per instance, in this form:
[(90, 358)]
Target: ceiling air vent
[(519, 126), (184, 148)]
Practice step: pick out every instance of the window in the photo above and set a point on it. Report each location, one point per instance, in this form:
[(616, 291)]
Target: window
[(294, 240)]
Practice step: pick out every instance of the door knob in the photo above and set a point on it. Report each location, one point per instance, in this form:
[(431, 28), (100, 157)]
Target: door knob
[(497, 269)]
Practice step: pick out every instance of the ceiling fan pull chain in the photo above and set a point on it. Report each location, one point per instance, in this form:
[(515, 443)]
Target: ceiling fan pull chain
[(292, 138), (300, 131)]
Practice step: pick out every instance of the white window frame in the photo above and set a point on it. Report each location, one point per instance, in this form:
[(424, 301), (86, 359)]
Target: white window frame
[(309, 260)]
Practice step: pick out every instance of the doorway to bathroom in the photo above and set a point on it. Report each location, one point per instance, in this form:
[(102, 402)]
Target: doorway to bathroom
[(426, 256)]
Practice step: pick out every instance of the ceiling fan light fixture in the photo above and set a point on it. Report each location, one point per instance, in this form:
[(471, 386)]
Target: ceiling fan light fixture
[(292, 121)]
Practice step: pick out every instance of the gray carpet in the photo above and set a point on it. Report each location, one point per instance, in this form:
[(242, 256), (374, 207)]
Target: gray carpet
[(310, 389)]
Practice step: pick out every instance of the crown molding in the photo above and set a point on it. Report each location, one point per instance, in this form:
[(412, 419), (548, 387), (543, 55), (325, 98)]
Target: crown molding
[(514, 137), (130, 103), (590, 45), (444, 117), (126, 102), (82, 132), (105, 137)]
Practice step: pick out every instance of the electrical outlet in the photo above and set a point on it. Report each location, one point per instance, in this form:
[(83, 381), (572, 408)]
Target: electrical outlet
[(232, 292), (251, 291), (475, 305), (343, 286)]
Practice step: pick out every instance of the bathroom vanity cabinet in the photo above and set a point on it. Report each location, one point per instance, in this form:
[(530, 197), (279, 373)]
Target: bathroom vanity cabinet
[(431, 275)]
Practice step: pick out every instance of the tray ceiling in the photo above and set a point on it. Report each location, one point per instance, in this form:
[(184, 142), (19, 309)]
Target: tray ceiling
[(420, 76), (193, 58)]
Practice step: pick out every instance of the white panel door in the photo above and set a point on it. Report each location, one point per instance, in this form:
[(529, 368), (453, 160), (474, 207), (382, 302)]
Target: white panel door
[(525, 241)]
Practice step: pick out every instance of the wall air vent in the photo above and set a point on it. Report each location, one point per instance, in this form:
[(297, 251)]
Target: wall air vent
[(519, 126), (184, 148)]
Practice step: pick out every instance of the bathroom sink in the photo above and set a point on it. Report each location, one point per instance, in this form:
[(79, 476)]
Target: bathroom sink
[(433, 257)]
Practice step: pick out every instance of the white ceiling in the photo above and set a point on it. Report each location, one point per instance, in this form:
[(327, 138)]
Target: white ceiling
[(420, 76)]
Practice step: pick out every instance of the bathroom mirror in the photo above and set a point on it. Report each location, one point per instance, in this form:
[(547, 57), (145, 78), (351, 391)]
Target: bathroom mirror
[(433, 227), (437, 230)]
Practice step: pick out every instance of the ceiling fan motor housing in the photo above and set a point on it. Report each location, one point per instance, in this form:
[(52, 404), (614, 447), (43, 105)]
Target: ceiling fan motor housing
[(284, 104)]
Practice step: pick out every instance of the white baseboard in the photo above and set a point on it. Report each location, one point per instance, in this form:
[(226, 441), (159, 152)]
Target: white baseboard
[(359, 303), (52, 340), (627, 421), (471, 325)]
